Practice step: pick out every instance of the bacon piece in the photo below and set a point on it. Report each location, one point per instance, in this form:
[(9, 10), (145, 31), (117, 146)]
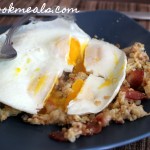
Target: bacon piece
[(135, 95), (104, 118), (135, 78), (92, 128), (58, 135), (132, 94)]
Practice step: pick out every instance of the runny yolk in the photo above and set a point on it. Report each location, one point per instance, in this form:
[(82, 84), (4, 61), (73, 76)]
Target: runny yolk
[(74, 52), (75, 58), (76, 87), (60, 102), (76, 55)]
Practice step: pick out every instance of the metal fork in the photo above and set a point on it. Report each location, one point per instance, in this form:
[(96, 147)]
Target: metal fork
[(7, 50)]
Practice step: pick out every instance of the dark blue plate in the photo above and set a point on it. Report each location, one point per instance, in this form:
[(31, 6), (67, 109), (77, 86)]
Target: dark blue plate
[(115, 28)]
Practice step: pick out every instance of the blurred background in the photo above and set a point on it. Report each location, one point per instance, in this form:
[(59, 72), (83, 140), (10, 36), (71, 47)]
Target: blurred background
[(119, 5), (88, 5)]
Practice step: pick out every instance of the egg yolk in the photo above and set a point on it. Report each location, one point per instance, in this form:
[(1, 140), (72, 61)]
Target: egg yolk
[(76, 87), (76, 55), (75, 58), (56, 99), (74, 52)]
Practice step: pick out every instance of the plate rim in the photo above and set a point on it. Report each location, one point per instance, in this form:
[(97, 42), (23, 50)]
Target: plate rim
[(130, 140)]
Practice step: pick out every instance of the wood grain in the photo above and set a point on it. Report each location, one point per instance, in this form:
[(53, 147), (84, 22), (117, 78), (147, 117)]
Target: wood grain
[(119, 5)]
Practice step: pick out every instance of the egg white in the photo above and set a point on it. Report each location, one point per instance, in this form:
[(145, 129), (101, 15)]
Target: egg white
[(101, 57), (107, 65), (42, 52)]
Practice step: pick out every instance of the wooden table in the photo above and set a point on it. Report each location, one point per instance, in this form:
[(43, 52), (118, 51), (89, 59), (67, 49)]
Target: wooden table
[(120, 5)]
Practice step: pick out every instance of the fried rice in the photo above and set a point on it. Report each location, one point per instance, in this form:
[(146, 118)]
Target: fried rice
[(126, 106)]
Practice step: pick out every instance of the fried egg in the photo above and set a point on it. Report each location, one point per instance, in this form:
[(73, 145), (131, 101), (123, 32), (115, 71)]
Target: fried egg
[(102, 57), (44, 51), (107, 67)]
